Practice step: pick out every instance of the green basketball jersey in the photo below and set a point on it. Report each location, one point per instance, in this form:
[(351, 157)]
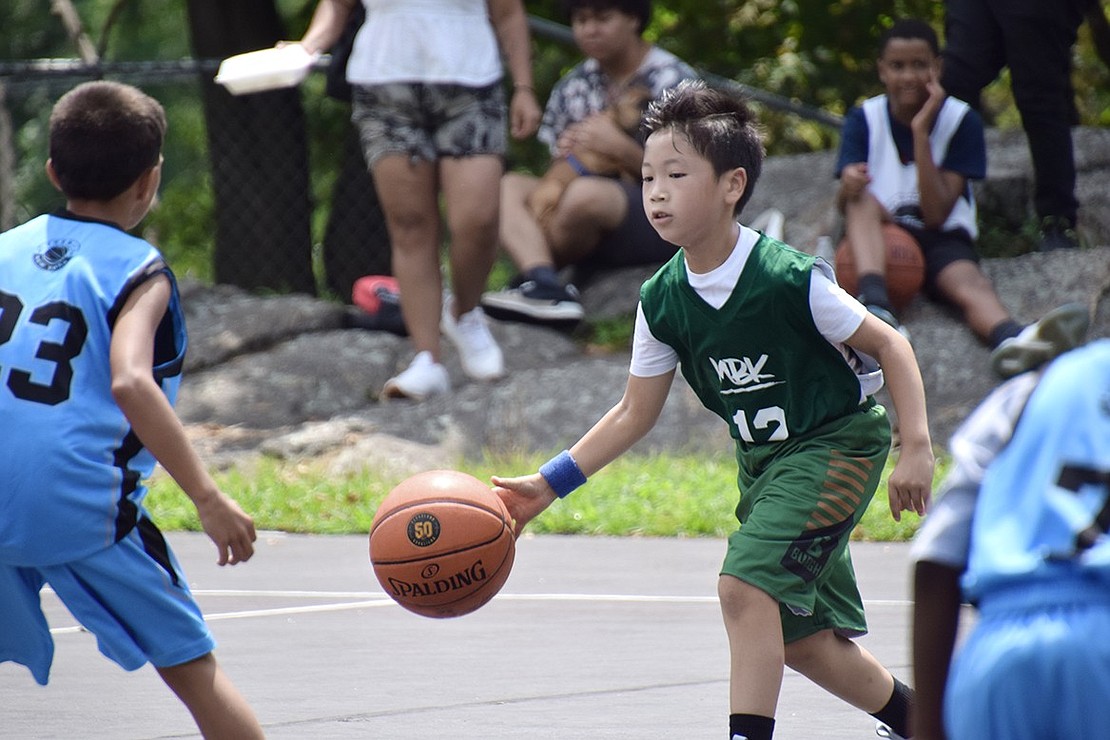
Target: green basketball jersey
[(759, 362)]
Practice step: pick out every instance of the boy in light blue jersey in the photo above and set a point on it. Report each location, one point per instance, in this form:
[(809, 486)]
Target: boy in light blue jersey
[(1021, 531), (770, 343), (92, 340)]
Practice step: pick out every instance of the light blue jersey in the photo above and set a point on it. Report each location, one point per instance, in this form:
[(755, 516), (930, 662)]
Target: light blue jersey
[(72, 469), (1033, 486), (1044, 505)]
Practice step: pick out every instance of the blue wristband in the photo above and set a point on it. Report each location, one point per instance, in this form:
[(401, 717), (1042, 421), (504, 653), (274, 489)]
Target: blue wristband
[(562, 474)]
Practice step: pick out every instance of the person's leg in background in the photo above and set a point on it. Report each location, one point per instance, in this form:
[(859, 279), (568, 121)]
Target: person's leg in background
[(1039, 38), (973, 53), (472, 221), (411, 207), (1034, 40), (536, 294), (590, 206), (519, 234), (863, 221)]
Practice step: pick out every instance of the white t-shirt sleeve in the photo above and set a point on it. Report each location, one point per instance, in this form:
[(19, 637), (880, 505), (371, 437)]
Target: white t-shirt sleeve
[(836, 314), (650, 357)]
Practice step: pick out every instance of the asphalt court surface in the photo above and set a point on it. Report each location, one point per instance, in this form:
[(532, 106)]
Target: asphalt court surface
[(591, 637)]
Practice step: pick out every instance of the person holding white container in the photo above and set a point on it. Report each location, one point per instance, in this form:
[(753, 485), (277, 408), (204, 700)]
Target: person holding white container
[(429, 105)]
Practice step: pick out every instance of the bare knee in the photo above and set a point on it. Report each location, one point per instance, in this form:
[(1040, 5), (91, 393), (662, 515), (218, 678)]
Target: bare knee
[(515, 188), (589, 207), (594, 202), (864, 206), (740, 599)]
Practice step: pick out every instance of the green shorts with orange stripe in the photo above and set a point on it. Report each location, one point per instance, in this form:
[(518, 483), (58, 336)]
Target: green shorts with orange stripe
[(799, 502)]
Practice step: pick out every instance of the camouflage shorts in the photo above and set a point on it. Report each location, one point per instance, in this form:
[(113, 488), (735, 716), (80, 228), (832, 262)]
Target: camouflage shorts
[(429, 121)]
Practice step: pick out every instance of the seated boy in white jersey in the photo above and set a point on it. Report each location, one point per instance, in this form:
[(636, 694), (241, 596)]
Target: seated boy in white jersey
[(1021, 531), (92, 340), (909, 156), (790, 362)]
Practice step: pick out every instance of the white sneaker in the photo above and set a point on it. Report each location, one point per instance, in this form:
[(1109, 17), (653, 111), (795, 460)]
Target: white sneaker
[(422, 378), (478, 351), (883, 731), (1061, 329)]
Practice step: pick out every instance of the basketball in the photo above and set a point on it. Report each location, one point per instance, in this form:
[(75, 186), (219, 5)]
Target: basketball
[(905, 266), (442, 544)]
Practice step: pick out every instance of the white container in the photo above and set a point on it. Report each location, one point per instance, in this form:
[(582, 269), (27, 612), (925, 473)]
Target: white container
[(265, 69)]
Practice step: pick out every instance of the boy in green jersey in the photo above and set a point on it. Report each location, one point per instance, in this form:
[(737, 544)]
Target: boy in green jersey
[(770, 343)]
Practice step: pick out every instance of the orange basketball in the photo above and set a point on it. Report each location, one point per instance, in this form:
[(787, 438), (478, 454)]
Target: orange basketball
[(442, 544), (905, 266)]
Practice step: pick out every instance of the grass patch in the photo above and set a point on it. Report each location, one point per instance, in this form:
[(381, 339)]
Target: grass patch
[(661, 495)]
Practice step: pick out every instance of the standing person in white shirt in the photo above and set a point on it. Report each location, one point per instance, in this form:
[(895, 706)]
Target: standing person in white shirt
[(429, 106)]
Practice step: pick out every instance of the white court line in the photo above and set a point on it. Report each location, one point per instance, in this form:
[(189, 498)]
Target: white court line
[(379, 600)]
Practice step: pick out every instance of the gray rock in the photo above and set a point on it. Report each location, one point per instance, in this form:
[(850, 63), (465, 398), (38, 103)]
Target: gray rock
[(277, 375)]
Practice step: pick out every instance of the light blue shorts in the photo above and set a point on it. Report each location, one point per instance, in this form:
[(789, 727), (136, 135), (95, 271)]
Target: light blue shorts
[(132, 596), (1034, 673)]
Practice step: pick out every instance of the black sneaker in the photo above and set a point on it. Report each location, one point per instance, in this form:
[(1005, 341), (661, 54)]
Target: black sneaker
[(536, 303), (1057, 236)]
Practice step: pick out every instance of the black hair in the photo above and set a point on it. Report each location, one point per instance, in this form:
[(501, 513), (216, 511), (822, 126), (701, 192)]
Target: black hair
[(103, 136), (718, 124), (638, 9), (910, 28)]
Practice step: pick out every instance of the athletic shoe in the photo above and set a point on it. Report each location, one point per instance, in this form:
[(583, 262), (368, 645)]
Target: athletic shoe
[(535, 302), (1057, 234), (422, 378), (883, 731), (888, 318), (478, 351), (1057, 331)]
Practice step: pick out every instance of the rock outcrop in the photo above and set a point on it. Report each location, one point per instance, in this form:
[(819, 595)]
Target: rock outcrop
[(280, 375)]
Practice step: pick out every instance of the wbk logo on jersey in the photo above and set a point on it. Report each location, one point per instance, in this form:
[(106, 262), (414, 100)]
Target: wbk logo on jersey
[(744, 374)]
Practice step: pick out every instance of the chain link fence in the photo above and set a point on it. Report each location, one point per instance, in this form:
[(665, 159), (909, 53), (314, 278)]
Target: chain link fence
[(266, 191)]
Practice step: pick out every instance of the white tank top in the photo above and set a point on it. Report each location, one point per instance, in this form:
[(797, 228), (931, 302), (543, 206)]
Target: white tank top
[(433, 41), (895, 184)]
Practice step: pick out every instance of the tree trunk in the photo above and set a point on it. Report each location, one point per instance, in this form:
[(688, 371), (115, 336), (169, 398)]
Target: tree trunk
[(257, 146), (356, 240)]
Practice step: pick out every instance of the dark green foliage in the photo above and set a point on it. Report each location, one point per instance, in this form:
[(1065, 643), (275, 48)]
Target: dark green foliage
[(818, 53)]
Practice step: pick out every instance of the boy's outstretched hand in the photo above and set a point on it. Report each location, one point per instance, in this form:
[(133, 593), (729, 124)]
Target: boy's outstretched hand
[(525, 497), (229, 527)]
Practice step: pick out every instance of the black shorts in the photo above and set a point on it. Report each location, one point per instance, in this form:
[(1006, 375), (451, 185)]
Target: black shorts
[(941, 248)]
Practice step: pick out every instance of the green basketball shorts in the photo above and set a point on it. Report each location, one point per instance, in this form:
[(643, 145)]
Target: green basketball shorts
[(799, 503)]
